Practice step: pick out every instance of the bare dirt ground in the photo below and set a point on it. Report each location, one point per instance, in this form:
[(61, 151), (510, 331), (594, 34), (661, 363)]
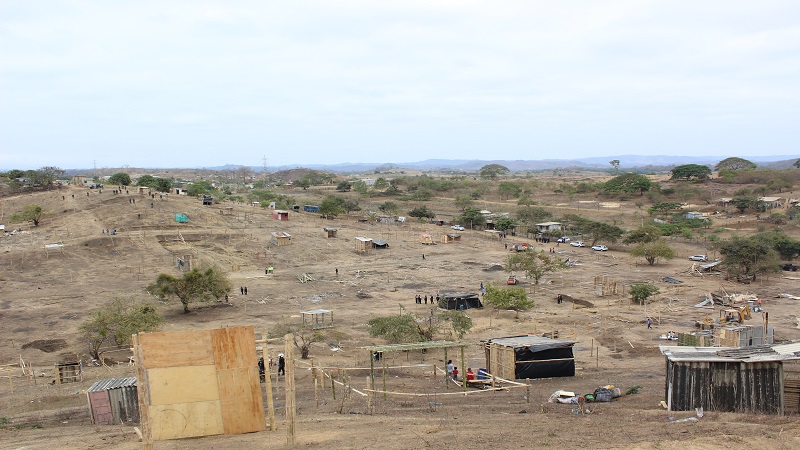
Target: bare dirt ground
[(45, 297)]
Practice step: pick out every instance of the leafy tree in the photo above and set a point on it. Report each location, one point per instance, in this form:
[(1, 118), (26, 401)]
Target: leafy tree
[(535, 265), (117, 321), (147, 180), (381, 183), (464, 201), (30, 213), (615, 164), (797, 164), (330, 207), (195, 285), (595, 231), (509, 190), (664, 207), (16, 173), (45, 176), (778, 184), (533, 214), (198, 188), (389, 208), (644, 234), (471, 217), (742, 202), (401, 329), (640, 292), (653, 250), (422, 212), (746, 258), (120, 178), (360, 186), (631, 183), (513, 298), (344, 186), (164, 185), (304, 183), (504, 223), (689, 171), (733, 163), (787, 248), (459, 321), (492, 171), (302, 337)]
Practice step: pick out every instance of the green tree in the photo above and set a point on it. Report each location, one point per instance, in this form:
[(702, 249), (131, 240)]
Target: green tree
[(534, 265), (471, 217), (464, 201), (509, 190), (147, 180), (653, 250), (504, 223), (389, 208), (797, 164), (615, 164), (304, 183), (381, 183), (45, 176), (787, 248), (344, 186), (120, 178), (198, 188), (460, 323), (422, 212), (400, 329), (689, 171), (594, 231), (164, 185), (747, 258), (640, 292), (742, 202), (513, 298), (360, 186), (330, 207), (644, 234), (117, 321), (733, 163), (195, 285), (30, 213), (630, 183), (492, 171)]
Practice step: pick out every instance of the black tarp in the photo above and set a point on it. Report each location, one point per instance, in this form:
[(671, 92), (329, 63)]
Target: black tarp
[(550, 361), (459, 301)]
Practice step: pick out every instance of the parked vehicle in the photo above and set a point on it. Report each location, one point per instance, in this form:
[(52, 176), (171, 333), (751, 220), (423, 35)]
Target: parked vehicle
[(789, 267), (512, 280), (577, 244), (599, 248), (563, 240), (457, 227), (702, 258)]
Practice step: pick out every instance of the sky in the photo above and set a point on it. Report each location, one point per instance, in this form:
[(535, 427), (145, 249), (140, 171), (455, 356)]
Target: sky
[(207, 83)]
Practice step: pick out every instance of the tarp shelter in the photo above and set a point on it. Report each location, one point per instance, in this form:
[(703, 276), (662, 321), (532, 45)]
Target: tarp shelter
[(208, 200), (459, 300), (330, 232), (181, 218), (113, 401), (281, 238), (311, 208), (377, 243), (756, 380), (363, 244), (280, 214), (521, 357), (426, 239)]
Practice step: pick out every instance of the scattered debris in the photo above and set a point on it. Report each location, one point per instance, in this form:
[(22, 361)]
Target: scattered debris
[(671, 280), (305, 278), (361, 294)]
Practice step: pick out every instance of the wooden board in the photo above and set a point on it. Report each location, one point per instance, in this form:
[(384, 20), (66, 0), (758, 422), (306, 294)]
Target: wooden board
[(234, 347), (240, 399), (180, 420), (177, 348), (182, 384)]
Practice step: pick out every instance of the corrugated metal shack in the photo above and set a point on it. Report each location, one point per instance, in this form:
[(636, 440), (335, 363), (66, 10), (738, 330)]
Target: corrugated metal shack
[(749, 380), (113, 401), (521, 357)]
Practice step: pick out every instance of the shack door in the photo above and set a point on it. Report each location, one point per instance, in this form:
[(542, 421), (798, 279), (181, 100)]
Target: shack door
[(101, 408)]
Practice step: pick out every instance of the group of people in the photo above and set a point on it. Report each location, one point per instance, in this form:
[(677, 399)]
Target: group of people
[(423, 299), (262, 369), (452, 371), (243, 290), (543, 240)]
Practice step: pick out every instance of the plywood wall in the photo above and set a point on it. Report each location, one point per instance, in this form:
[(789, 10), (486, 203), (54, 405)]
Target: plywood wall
[(201, 382)]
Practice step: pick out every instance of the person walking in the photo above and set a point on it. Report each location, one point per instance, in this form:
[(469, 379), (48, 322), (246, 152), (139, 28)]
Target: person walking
[(245, 290), (281, 364), (337, 271), (241, 290), (649, 323), (426, 299)]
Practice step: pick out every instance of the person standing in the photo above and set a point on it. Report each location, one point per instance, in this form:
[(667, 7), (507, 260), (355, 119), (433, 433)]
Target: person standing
[(245, 290), (281, 364), (426, 299), (241, 290), (649, 323), (337, 271), (450, 368)]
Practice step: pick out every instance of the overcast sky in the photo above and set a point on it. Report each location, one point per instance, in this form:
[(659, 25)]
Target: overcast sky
[(206, 83)]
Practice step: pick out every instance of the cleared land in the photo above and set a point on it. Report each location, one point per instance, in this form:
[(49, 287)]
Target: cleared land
[(45, 296)]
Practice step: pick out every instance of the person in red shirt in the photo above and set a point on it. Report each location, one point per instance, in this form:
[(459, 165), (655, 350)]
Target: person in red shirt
[(455, 373), (470, 375)]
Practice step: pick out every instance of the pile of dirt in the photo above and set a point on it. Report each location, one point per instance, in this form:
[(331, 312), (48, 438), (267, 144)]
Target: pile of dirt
[(46, 345)]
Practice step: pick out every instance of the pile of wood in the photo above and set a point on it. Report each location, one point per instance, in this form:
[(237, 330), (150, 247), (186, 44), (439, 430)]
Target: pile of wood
[(304, 278)]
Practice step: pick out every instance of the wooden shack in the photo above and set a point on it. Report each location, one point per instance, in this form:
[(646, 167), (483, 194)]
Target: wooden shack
[(329, 232), (747, 380), (427, 239), (363, 244), (520, 357), (69, 372), (143, 190), (280, 214), (281, 238), (448, 238), (742, 336), (113, 401)]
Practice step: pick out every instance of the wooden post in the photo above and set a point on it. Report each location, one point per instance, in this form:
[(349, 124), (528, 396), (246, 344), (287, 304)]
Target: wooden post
[(268, 385), (291, 407), (446, 381), (591, 352), (434, 373), (463, 370), (528, 390), (371, 370), (597, 358), (314, 376), (384, 378), (143, 391)]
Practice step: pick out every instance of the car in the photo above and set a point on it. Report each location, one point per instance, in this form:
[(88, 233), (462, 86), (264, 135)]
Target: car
[(577, 244), (563, 240), (701, 258), (512, 280), (599, 248), (457, 227), (789, 267)]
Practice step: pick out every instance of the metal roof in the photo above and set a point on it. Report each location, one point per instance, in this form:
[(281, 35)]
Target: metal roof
[(528, 341), (112, 383), (363, 239), (317, 311), (756, 353)]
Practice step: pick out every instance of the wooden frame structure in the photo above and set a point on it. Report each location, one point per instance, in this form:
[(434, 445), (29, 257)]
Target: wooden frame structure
[(363, 244), (427, 239), (329, 232), (372, 349), (281, 238), (317, 318), (450, 237), (69, 372)]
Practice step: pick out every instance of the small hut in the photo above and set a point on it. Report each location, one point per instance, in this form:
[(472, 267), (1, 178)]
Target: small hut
[(363, 244), (459, 300), (143, 190), (742, 336), (280, 214), (448, 238), (281, 238), (521, 357), (208, 200), (329, 232), (378, 243), (69, 372), (113, 401), (427, 239), (318, 318)]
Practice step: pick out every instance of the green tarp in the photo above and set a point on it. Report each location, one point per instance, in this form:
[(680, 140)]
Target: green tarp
[(181, 218)]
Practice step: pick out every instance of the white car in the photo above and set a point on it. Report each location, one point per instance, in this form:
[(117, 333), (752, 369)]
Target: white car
[(562, 239), (457, 227), (599, 248), (702, 258), (577, 244)]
